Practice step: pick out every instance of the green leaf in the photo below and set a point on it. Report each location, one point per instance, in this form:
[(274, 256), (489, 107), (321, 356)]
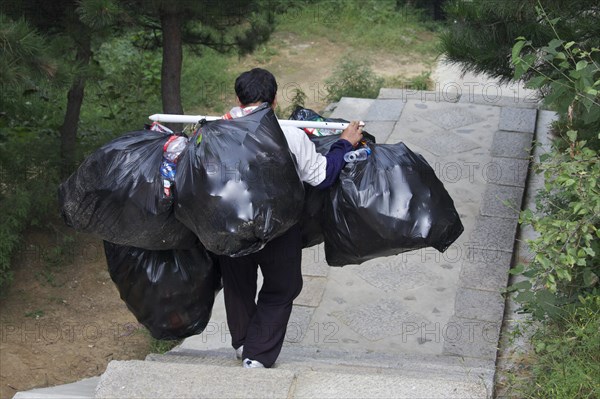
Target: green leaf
[(581, 65), (517, 269), (572, 135), (569, 45), (545, 157), (516, 50), (591, 91), (560, 56), (554, 43)]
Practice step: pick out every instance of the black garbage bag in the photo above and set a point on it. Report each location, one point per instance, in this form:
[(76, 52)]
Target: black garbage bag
[(170, 292), (237, 184), (315, 199), (391, 203), (117, 194)]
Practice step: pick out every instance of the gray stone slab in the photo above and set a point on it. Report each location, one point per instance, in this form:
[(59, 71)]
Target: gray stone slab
[(446, 96), (451, 117), (381, 130), (485, 269), (312, 291), (518, 119), (352, 109), (313, 261), (381, 319), (318, 384), (137, 379), (511, 144), (385, 110), (299, 324), (481, 305), (502, 201), (77, 390), (493, 233), (394, 275), (491, 98), (471, 338), (443, 143), (506, 171)]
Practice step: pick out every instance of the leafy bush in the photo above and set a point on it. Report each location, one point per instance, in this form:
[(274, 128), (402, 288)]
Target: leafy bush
[(566, 262), (353, 79), (561, 287)]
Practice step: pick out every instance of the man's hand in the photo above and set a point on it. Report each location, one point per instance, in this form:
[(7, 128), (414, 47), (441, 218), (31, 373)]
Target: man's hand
[(353, 133)]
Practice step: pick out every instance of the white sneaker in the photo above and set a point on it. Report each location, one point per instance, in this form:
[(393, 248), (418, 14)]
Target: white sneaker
[(238, 352), (250, 364)]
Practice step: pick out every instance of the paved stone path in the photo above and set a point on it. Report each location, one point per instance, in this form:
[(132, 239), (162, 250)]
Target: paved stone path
[(425, 302), (419, 324)]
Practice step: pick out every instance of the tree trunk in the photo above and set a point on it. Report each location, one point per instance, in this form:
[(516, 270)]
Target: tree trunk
[(68, 130), (170, 20)]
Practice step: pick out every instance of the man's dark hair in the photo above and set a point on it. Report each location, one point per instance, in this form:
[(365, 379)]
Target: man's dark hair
[(256, 85)]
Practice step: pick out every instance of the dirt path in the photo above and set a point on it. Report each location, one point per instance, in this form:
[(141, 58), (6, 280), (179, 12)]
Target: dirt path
[(63, 322), (307, 63)]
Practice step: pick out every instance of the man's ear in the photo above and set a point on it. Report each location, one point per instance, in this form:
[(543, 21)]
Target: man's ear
[(274, 104), (238, 101)]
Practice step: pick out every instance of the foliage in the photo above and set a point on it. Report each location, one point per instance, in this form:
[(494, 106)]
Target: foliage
[(567, 357), (22, 55), (566, 253), (208, 82), (353, 79), (561, 280), (480, 33), (569, 76), (419, 82)]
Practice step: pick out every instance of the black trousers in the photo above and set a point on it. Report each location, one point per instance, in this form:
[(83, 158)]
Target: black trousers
[(261, 325)]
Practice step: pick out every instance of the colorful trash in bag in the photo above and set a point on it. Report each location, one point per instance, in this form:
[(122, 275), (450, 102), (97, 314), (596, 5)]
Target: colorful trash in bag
[(170, 292), (237, 184), (388, 204), (118, 194)]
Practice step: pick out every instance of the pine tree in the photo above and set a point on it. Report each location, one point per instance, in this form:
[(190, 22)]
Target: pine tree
[(481, 33), (225, 25)]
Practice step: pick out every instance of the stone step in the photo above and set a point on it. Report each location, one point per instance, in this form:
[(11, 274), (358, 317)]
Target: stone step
[(157, 379), (83, 389), (350, 108), (368, 362)]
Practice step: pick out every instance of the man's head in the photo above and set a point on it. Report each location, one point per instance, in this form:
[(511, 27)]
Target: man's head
[(256, 86)]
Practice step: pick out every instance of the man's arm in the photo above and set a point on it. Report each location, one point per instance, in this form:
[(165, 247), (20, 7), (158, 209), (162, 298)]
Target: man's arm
[(315, 169)]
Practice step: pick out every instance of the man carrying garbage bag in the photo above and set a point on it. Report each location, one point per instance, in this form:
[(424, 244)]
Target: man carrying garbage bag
[(258, 328)]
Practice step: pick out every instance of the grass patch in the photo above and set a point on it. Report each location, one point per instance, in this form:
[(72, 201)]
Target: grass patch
[(566, 359), (367, 25)]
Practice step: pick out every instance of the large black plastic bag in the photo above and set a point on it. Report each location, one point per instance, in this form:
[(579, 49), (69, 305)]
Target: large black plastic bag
[(170, 292), (388, 204), (117, 194), (314, 199), (237, 184)]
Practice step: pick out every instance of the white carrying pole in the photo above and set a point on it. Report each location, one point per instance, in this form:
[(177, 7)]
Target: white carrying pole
[(173, 118)]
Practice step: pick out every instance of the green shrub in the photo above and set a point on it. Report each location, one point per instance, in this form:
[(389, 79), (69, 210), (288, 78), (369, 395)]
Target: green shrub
[(561, 287), (353, 79), (419, 82), (566, 253)]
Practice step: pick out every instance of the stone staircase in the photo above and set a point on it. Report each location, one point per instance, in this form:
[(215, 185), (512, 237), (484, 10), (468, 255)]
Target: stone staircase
[(373, 357)]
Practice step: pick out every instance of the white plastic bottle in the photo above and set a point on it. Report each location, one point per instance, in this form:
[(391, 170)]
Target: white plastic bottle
[(357, 155)]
